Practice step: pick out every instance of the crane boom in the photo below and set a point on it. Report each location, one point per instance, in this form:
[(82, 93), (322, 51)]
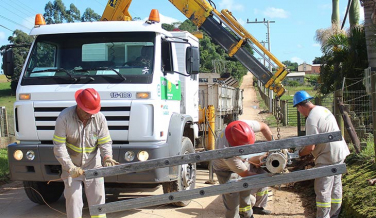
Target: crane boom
[(117, 10), (202, 14), (232, 37)]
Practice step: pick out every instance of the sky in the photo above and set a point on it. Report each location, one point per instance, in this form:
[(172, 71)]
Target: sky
[(292, 35)]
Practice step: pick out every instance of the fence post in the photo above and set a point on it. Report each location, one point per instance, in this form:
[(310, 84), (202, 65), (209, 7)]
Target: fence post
[(373, 89), (284, 112), (4, 122), (337, 113)]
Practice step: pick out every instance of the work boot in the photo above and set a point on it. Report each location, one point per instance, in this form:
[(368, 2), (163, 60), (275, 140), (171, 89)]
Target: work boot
[(260, 210), (242, 215)]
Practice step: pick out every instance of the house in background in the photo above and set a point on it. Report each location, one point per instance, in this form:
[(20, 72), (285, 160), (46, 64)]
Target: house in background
[(294, 76), (309, 68)]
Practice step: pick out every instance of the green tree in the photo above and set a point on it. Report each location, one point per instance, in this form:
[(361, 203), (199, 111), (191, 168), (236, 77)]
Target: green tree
[(293, 66), (318, 60), (73, 14), (19, 38), (89, 16), (344, 56), (370, 30), (354, 14), (187, 25), (335, 14), (55, 12)]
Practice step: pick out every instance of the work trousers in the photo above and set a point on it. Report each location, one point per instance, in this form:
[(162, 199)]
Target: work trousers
[(236, 202), (262, 193), (95, 194), (328, 195)]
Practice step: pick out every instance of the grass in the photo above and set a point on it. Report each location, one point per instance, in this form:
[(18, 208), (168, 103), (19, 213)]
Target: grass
[(4, 168), (7, 97), (290, 91), (358, 197)]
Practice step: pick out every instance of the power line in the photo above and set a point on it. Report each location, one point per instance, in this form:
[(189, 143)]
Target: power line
[(15, 13), (6, 28), (1, 16), (30, 10)]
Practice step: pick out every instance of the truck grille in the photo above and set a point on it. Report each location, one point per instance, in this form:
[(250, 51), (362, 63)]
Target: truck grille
[(117, 120)]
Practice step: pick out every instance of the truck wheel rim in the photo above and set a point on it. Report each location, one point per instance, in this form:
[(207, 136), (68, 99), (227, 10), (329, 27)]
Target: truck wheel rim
[(188, 174)]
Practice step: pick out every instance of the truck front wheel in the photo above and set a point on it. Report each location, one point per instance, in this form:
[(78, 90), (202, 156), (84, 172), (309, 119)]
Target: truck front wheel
[(186, 175), (48, 193)]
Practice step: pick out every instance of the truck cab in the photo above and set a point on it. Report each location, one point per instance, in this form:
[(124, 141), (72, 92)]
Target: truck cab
[(147, 79)]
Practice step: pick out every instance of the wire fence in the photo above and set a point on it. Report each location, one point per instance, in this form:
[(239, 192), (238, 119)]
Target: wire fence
[(358, 105)]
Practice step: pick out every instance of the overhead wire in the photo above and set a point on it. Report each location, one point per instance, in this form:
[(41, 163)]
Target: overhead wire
[(1, 16), (17, 14), (6, 28), (18, 9), (30, 10)]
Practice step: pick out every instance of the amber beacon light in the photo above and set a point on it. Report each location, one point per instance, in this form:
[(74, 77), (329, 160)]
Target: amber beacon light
[(39, 20), (154, 16)]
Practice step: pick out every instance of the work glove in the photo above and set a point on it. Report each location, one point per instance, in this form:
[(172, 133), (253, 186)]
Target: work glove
[(75, 172), (109, 162)]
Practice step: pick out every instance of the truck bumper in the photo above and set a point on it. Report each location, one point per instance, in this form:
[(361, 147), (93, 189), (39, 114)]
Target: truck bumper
[(45, 167)]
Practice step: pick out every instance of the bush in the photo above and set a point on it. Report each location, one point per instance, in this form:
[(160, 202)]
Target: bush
[(293, 83)]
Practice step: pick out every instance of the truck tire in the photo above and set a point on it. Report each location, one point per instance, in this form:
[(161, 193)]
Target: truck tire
[(47, 193), (186, 175)]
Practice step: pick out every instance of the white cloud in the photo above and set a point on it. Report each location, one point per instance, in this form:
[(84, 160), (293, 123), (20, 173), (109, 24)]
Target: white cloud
[(230, 5), (316, 45), (297, 60), (276, 13), (29, 23), (299, 46), (241, 21), (325, 7), (165, 19)]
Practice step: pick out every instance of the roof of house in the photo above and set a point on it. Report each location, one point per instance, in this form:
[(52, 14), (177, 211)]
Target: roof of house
[(292, 74)]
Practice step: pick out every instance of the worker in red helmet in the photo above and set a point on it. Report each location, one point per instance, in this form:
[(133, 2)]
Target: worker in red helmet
[(81, 140), (239, 133)]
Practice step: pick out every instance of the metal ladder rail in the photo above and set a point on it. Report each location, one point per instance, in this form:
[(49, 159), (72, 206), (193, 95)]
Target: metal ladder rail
[(246, 183), (214, 154)]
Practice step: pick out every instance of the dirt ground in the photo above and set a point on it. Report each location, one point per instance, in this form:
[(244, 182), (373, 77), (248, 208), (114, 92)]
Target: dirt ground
[(284, 201)]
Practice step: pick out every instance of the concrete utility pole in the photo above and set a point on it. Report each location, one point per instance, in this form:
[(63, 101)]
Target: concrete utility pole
[(267, 24)]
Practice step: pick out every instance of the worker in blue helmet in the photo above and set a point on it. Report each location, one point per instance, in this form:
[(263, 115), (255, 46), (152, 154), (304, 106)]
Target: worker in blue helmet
[(320, 120), (301, 96)]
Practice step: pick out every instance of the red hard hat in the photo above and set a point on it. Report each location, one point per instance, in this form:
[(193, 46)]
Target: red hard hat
[(88, 100), (239, 133)]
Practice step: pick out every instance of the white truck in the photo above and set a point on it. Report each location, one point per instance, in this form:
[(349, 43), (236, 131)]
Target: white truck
[(148, 82)]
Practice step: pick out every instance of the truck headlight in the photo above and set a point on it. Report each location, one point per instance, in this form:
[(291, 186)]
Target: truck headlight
[(18, 155), (30, 155), (143, 155), (129, 156)]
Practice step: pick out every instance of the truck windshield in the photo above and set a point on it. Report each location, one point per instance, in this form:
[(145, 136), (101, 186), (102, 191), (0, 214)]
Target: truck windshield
[(91, 57)]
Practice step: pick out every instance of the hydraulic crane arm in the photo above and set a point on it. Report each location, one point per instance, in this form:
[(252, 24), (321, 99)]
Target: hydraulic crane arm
[(117, 10), (202, 14), (232, 39)]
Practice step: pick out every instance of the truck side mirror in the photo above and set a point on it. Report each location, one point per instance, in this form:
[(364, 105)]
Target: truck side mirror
[(8, 64), (192, 60)]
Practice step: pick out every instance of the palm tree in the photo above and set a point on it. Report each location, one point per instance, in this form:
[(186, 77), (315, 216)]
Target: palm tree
[(370, 29)]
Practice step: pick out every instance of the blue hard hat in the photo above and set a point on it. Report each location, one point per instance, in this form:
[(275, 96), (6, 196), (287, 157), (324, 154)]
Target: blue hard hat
[(301, 96)]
